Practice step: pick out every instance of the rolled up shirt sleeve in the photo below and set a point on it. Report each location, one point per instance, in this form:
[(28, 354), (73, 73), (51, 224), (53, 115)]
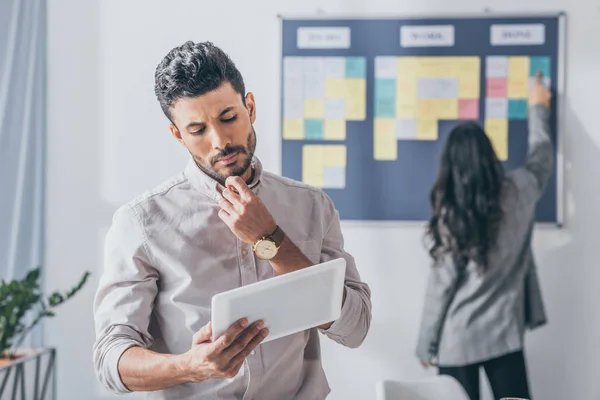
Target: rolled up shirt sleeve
[(353, 325), (124, 298)]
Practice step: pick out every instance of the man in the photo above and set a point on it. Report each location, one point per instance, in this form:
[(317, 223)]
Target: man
[(220, 224)]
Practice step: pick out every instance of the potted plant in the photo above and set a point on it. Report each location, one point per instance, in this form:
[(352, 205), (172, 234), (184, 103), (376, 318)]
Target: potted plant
[(17, 299)]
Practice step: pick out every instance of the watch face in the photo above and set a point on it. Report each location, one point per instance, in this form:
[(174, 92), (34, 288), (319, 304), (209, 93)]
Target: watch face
[(266, 249)]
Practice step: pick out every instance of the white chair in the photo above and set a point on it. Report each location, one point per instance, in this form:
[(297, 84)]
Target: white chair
[(440, 387)]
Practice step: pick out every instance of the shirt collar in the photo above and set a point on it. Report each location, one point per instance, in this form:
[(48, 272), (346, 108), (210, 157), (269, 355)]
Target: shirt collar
[(209, 186)]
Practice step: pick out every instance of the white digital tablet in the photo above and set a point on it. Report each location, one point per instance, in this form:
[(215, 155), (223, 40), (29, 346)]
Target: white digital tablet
[(287, 303)]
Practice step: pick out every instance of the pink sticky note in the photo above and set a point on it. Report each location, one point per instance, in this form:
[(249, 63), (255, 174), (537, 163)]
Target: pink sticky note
[(468, 109), (496, 87)]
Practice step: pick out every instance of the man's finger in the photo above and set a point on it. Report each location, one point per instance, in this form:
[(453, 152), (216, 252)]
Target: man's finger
[(203, 334), (227, 338), (227, 206), (538, 77), (240, 186), (256, 340), (244, 339)]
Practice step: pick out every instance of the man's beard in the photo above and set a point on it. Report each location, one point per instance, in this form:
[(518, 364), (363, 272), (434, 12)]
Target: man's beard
[(248, 151)]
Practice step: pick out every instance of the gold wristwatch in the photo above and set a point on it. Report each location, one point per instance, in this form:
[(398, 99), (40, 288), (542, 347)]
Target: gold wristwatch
[(266, 248)]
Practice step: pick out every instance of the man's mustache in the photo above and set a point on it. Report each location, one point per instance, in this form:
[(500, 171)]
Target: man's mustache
[(228, 150)]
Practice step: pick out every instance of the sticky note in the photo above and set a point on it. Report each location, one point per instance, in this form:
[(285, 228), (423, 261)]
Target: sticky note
[(496, 67), (335, 68), (293, 129), (385, 98), (496, 108), (470, 65), (406, 107), (314, 108), (293, 86), (407, 66), (334, 156), (437, 88), (335, 108), (517, 109), (314, 87), (293, 107), (518, 67), (313, 129), (406, 129), (356, 109), (497, 131), (356, 89), (468, 109), (518, 88), (496, 87), (335, 88), (334, 177), (546, 82), (385, 145), (427, 129), (541, 64), (469, 87), (335, 129), (312, 165), (445, 108), (293, 66), (431, 67), (386, 67), (356, 67), (314, 66)]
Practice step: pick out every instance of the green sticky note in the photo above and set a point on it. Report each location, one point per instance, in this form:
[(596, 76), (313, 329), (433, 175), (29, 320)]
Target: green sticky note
[(541, 64), (356, 67), (313, 129)]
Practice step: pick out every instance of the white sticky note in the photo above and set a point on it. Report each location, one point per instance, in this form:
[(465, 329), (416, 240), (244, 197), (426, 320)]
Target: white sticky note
[(427, 36), (293, 86), (496, 67), (335, 67), (496, 108), (314, 87), (406, 129), (335, 108), (337, 37), (293, 66), (517, 34), (334, 177), (386, 67), (314, 66), (437, 88), (293, 107)]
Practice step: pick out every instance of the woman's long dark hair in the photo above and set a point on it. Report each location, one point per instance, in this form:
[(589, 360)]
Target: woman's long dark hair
[(465, 198)]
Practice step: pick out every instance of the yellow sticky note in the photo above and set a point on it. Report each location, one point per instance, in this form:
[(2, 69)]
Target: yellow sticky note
[(356, 88), (335, 88), (437, 109), (406, 87), (497, 131), (427, 129), (335, 129), (518, 77), (293, 129), (314, 108), (407, 66), (313, 157), (355, 108), (469, 65), (468, 86), (385, 144), (335, 156), (432, 67)]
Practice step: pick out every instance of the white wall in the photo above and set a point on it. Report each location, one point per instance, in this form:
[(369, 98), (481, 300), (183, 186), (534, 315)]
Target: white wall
[(108, 141)]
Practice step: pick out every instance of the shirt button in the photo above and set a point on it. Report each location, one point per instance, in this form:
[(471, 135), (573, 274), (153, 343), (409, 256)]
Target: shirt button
[(253, 352), (244, 252)]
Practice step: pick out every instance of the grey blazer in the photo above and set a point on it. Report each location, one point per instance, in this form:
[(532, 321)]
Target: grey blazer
[(470, 317)]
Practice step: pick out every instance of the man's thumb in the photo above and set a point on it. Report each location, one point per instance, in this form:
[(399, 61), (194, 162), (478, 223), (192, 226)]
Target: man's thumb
[(203, 335)]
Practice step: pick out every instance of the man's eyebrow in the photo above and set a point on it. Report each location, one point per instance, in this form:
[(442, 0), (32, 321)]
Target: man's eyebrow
[(194, 125), (226, 110)]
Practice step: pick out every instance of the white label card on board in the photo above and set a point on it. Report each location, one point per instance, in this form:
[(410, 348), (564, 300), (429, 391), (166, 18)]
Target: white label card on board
[(518, 34), (427, 36), (323, 37)]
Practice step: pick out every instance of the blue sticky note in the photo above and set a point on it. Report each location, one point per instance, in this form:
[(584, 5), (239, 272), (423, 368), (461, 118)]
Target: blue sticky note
[(517, 109), (385, 98), (313, 129), (356, 67), (541, 64)]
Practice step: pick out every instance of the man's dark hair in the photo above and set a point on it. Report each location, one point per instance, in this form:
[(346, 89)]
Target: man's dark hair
[(192, 70)]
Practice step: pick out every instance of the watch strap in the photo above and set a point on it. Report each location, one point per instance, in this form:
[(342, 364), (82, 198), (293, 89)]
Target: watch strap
[(277, 236)]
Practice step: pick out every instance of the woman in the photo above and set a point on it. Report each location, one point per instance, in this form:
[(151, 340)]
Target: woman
[(482, 291)]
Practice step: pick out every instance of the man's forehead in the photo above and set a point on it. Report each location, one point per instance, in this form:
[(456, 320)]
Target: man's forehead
[(208, 105)]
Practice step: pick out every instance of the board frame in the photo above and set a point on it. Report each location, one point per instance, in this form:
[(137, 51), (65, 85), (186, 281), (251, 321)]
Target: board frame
[(559, 97)]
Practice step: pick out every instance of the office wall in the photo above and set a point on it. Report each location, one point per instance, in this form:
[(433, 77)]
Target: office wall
[(108, 141)]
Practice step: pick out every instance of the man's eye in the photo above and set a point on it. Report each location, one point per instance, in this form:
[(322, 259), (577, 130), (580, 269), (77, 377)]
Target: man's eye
[(228, 120), (198, 132)]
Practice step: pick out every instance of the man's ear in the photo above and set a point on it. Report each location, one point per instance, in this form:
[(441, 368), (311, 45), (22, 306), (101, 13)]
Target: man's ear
[(251, 106), (176, 134)]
